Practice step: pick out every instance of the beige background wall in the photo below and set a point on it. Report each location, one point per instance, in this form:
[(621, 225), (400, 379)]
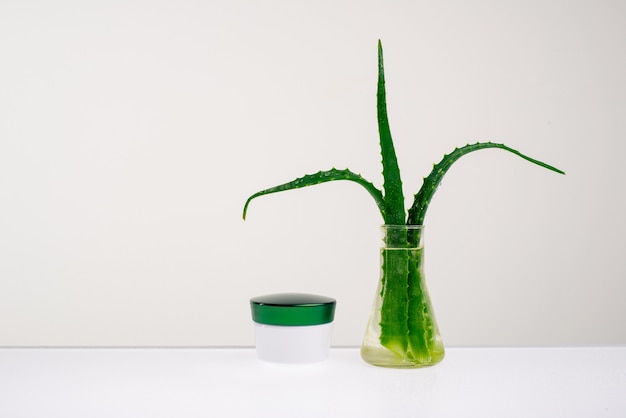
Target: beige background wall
[(131, 133)]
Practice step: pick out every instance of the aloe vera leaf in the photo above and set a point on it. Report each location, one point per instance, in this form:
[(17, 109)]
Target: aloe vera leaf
[(322, 177), (395, 262), (395, 299), (394, 213), (417, 211)]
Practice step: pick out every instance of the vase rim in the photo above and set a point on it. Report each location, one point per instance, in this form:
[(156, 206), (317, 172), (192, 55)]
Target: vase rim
[(402, 226)]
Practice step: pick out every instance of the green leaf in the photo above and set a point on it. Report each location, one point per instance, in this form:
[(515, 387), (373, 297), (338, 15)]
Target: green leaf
[(417, 212), (322, 177), (394, 213)]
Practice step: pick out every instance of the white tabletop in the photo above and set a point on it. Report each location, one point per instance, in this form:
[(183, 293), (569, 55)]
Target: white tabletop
[(221, 382)]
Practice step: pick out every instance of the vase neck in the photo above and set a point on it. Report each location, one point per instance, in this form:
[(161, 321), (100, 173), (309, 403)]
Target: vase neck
[(402, 236)]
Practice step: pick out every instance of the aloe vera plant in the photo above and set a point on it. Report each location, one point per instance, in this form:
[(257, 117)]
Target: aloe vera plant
[(405, 321)]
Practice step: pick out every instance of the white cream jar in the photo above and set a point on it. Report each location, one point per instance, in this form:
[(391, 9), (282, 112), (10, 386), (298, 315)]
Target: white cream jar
[(292, 327)]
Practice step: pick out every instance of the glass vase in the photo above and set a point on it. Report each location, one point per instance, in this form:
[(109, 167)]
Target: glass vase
[(402, 330)]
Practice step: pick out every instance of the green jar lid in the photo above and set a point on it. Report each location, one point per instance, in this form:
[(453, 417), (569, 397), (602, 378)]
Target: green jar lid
[(292, 309)]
